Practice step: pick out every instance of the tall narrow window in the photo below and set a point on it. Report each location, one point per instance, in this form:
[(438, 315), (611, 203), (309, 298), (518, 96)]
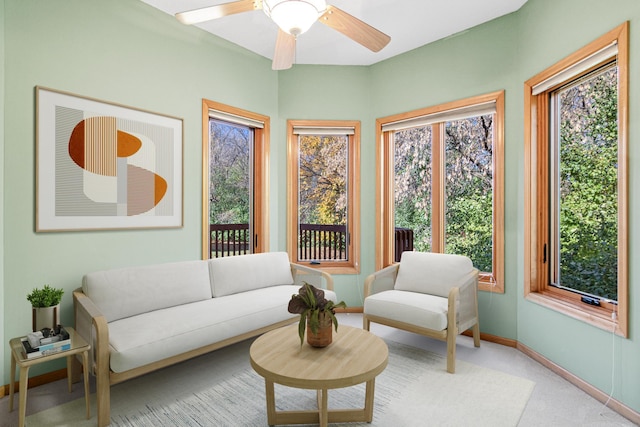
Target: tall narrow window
[(468, 148), (441, 184), (235, 148), (323, 194), (576, 259), (413, 179)]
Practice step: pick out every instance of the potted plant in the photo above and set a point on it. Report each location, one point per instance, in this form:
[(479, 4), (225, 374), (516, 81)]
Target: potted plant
[(45, 303), (316, 312)]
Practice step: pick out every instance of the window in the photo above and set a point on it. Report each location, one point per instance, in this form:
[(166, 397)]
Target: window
[(576, 184), (235, 149), (323, 194), (441, 185)]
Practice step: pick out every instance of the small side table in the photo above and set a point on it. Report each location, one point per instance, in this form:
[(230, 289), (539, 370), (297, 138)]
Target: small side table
[(78, 345)]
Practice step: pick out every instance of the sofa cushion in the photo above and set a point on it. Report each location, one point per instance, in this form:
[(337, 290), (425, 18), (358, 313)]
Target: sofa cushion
[(153, 336), (431, 273), (230, 275), (427, 311), (139, 340), (125, 292)]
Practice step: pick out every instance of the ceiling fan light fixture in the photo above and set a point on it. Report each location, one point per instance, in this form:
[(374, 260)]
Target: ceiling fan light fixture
[(294, 16)]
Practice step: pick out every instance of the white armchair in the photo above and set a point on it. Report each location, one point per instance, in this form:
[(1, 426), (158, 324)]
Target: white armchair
[(427, 293)]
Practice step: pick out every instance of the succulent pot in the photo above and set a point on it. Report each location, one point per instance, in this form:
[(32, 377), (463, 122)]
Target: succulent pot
[(45, 317), (324, 335)]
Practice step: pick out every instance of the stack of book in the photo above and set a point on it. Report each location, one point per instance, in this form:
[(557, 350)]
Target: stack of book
[(47, 346)]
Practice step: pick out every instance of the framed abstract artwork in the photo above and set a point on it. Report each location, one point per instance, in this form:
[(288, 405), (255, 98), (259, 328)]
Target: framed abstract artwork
[(101, 165)]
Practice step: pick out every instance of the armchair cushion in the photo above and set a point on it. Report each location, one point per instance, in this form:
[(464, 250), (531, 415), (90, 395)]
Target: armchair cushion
[(431, 273), (423, 310)]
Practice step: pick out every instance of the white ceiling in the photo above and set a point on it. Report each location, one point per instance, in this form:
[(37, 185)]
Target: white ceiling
[(409, 23)]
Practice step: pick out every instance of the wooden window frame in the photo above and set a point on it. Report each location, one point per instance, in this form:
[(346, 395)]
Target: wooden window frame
[(352, 265), (536, 180), (260, 238), (489, 281)]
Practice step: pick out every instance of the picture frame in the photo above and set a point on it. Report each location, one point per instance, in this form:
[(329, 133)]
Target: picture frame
[(101, 165)]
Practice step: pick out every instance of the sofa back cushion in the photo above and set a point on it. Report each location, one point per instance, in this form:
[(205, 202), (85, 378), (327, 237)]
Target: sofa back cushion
[(125, 292), (431, 273), (230, 275)]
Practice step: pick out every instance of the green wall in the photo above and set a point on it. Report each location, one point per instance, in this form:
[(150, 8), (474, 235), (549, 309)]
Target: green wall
[(502, 54), (335, 93), (126, 52), (583, 350), (478, 61), (2, 97)]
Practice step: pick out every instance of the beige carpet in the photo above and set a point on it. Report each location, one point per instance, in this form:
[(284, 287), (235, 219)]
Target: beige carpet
[(221, 389)]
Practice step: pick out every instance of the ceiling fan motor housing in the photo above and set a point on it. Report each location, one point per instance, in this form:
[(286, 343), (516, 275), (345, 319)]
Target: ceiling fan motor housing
[(294, 16)]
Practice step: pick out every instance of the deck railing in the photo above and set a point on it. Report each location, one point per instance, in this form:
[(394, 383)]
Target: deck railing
[(403, 241), (317, 242), (322, 242), (229, 240)]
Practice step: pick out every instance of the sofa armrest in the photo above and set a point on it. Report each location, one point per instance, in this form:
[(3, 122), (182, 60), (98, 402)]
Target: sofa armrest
[(382, 280), (318, 278), (91, 324)]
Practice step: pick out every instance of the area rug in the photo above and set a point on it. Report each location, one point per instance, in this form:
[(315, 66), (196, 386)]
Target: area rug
[(220, 389)]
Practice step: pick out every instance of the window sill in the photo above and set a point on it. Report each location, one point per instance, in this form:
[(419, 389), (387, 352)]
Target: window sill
[(332, 269), (599, 318), (490, 286)]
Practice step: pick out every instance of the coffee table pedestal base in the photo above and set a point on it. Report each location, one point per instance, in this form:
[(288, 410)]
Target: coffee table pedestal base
[(323, 415)]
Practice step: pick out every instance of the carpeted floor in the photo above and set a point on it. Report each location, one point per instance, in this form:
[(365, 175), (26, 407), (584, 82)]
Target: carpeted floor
[(554, 401), (414, 387)]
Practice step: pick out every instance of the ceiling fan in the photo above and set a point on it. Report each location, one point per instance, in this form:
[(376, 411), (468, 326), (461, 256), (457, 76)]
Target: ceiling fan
[(293, 18)]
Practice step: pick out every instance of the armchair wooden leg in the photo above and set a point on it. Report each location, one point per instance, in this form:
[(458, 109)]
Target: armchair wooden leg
[(476, 335), (366, 324)]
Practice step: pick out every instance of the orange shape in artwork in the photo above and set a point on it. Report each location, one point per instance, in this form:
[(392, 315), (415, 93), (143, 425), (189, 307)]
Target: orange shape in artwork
[(145, 190), (127, 144), (161, 188), (76, 144), (99, 137)]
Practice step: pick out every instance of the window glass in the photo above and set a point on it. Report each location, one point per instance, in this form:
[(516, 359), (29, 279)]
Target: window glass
[(235, 194), (469, 189), (413, 181), (230, 177), (586, 187), (441, 185), (323, 193), (322, 198), (576, 184)]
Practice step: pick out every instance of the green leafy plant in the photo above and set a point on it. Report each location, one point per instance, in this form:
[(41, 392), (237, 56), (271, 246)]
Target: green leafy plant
[(45, 297), (309, 302)]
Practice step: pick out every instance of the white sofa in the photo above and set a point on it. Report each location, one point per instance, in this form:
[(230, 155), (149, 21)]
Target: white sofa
[(140, 319)]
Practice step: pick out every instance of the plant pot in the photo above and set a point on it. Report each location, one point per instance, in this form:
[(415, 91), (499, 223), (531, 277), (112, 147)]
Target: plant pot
[(324, 335), (45, 317)]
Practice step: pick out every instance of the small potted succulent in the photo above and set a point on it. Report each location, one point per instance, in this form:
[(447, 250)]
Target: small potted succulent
[(45, 303), (316, 313)]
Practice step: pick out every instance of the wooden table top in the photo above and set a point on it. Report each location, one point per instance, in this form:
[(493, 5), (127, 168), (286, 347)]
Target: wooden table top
[(355, 356), (78, 345)]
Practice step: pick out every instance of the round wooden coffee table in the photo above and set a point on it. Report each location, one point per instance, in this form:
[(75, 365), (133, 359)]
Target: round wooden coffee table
[(355, 356)]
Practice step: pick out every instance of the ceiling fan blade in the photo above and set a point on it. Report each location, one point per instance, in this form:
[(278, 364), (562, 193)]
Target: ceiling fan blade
[(285, 51), (354, 28), (214, 12)]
